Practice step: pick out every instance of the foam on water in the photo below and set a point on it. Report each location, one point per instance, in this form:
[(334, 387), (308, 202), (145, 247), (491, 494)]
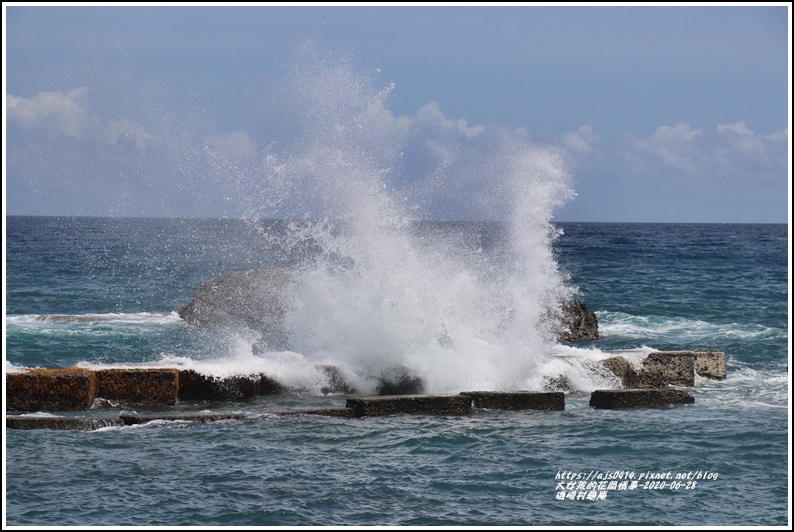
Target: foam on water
[(694, 331), (28, 320)]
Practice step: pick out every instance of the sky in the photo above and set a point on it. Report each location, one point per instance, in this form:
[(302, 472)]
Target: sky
[(664, 113)]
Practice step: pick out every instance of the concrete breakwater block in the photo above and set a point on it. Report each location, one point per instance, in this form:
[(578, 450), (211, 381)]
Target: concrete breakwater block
[(667, 367), (50, 390), (136, 419), (61, 423), (194, 386), (384, 405), (518, 400), (661, 368), (710, 364), (639, 398), (139, 386)]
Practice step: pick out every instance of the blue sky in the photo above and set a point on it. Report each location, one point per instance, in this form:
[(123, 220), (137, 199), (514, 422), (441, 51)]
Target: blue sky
[(658, 113)]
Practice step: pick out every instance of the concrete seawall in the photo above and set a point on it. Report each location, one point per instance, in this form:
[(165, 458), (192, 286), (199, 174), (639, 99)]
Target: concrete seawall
[(77, 389)]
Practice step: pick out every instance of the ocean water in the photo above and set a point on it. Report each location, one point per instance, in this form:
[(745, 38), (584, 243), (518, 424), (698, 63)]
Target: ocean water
[(349, 198), (653, 286)]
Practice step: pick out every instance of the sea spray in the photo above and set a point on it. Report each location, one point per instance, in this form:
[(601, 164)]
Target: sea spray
[(382, 292)]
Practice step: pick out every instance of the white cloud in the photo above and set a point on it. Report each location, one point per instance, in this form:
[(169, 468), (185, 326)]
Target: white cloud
[(756, 150), (673, 146), (59, 114), (739, 128), (678, 134), (729, 151), (56, 113), (583, 141)]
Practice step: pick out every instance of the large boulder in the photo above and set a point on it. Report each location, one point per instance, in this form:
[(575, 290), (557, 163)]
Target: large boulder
[(240, 299)]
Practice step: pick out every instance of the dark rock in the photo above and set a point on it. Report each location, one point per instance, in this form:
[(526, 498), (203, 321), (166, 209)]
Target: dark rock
[(336, 384), (398, 382), (560, 383), (580, 324), (518, 400), (194, 386), (409, 404), (639, 398)]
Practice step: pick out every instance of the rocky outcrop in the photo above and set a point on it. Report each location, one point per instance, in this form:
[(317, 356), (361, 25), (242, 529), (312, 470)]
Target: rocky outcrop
[(580, 323), (336, 384), (398, 381), (194, 386)]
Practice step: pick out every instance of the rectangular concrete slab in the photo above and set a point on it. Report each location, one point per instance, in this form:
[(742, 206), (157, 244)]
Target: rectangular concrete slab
[(138, 386), (518, 400), (60, 423), (50, 390), (135, 419), (639, 398), (409, 404)]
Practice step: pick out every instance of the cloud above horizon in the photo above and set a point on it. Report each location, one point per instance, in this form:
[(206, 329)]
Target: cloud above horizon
[(185, 168)]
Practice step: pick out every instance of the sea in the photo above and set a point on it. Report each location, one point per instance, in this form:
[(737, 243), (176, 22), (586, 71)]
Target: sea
[(465, 305)]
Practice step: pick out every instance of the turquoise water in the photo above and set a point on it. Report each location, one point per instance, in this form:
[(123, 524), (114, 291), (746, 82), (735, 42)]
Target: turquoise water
[(653, 286)]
